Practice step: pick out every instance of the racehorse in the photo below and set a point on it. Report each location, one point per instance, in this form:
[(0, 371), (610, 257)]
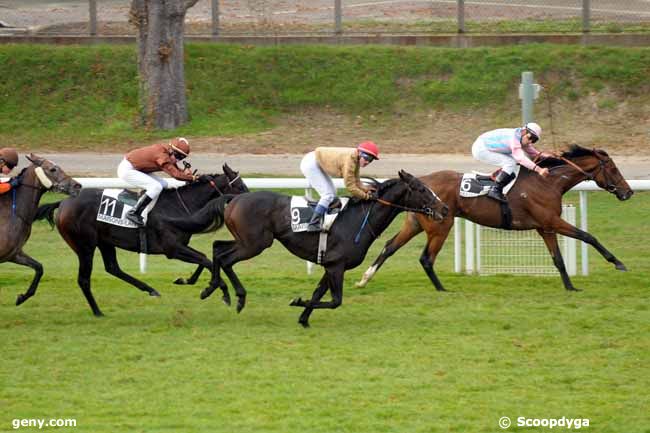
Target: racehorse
[(18, 209), (256, 219), (535, 203), (77, 223)]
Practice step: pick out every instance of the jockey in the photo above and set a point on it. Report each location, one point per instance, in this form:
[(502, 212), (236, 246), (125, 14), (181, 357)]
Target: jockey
[(506, 148), (319, 165), (8, 160), (137, 165)]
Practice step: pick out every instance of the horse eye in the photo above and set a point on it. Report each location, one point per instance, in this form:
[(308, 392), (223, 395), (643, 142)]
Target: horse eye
[(53, 170)]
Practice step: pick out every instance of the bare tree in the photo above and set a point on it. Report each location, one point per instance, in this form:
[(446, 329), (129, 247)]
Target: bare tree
[(160, 28)]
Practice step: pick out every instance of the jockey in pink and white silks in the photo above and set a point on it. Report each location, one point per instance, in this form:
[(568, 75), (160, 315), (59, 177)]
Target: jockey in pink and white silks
[(507, 147)]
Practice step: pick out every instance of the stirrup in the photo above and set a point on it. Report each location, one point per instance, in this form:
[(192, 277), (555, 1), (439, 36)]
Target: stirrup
[(497, 195), (135, 219)]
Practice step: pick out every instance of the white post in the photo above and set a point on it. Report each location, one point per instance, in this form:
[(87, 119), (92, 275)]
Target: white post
[(469, 247), (143, 263), (478, 248), (584, 259), (458, 266)]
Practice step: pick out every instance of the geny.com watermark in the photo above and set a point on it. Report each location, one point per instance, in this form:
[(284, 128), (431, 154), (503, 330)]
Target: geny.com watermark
[(41, 422), (564, 422)]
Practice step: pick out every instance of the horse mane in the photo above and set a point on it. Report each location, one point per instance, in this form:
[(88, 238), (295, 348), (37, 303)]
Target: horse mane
[(575, 151), (381, 187)]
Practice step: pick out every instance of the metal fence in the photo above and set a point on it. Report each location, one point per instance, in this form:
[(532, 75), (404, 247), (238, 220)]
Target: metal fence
[(345, 17)]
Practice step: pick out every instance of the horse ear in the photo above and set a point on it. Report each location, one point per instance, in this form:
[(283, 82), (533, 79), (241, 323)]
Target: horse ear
[(401, 174), (34, 159), (226, 169)]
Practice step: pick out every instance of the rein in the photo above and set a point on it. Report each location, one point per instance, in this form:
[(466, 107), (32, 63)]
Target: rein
[(214, 186), (406, 208)]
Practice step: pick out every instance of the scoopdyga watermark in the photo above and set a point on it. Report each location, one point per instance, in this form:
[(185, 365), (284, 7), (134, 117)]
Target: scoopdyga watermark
[(551, 423)]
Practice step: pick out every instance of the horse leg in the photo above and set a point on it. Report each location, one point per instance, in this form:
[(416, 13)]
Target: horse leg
[(111, 265), (23, 259), (192, 280), (319, 292), (218, 247), (564, 228), (83, 278), (335, 282), (410, 228), (188, 254), (435, 240), (550, 239)]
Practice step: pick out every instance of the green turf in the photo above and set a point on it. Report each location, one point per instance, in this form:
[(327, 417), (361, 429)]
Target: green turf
[(72, 98), (396, 357)]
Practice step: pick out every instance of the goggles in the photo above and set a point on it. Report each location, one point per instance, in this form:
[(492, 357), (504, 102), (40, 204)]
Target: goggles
[(367, 156), (533, 137)]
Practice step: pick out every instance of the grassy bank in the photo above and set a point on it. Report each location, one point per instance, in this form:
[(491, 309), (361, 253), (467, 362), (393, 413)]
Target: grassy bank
[(85, 97), (396, 357)]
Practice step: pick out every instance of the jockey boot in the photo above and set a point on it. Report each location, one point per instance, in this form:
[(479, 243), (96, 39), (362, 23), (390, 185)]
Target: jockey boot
[(135, 214), (496, 191), (316, 222)]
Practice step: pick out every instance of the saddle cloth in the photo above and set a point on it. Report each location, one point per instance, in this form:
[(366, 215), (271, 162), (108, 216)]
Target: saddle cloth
[(302, 210), (114, 205), (478, 184)]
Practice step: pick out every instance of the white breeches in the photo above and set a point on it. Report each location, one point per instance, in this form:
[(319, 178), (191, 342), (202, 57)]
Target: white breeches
[(153, 185), (318, 179), (483, 154)]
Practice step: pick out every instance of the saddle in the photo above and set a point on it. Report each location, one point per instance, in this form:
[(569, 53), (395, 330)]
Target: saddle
[(478, 184), (301, 210), (115, 203)]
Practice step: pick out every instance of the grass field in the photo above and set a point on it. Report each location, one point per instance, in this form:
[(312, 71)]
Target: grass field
[(396, 357)]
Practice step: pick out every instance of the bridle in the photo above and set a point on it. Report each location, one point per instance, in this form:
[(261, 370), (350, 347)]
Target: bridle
[(609, 185), (424, 210)]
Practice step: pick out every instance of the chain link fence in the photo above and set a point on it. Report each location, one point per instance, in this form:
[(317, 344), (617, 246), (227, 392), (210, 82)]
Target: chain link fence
[(345, 17)]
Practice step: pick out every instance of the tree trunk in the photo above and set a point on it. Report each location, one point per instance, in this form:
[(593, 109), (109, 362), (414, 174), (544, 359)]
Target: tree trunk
[(160, 27)]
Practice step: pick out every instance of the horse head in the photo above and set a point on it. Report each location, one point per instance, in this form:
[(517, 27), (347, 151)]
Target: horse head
[(235, 181), (422, 198), (52, 177), (599, 167)]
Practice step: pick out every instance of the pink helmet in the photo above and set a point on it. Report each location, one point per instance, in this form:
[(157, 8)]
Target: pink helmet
[(370, 148)]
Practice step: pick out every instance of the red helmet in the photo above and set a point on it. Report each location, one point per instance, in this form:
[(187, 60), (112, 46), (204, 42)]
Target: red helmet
[(181, 145), (370, 148)]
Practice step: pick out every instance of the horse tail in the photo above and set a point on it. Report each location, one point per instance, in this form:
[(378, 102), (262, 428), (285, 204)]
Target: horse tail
[(208, 218), (47, 212)]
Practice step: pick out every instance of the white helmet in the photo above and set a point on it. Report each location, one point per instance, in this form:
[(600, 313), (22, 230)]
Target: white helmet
[(534, 129)]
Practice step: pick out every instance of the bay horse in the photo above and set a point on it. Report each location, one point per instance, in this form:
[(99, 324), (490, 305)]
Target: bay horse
[(18, 209), (77, 223), (256, 219), (535, 202)]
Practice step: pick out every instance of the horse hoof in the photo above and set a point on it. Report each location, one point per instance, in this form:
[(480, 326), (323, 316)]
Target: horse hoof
[(360, 285), (206, 293), (226, 300), (180, 280), (155, 293), (442, 289), (621, 267), (20, 299), (98, 314), (304, 324), (296, 302), (574, 289)]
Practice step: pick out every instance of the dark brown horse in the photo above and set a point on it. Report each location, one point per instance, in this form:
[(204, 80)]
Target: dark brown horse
[(18, 210), (77, 223), (256, 219), (535, 202)]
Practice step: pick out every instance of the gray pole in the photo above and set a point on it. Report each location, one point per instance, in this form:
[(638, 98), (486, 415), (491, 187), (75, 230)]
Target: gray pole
[(461, 16), (527, 94), (92, 11), (586, 16), (338, 12), (215, 18)]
